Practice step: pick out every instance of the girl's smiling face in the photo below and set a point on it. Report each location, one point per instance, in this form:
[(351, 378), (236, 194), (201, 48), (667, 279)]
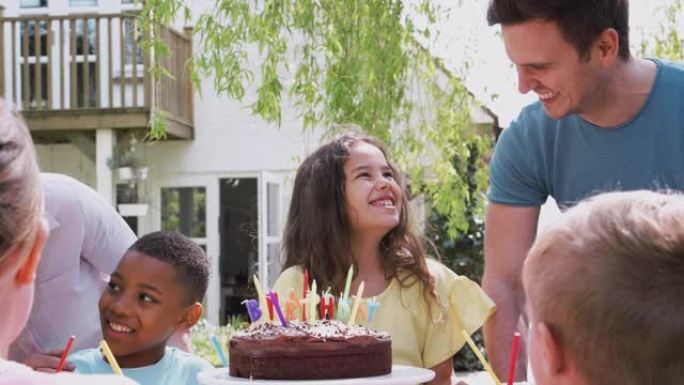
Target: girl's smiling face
[(373, 196), (144, 304)]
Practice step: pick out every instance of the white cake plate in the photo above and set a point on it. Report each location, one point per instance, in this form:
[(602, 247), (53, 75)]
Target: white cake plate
[(400, 375)]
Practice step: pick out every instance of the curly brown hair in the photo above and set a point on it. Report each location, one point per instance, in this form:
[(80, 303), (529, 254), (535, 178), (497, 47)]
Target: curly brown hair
[(317, 235)]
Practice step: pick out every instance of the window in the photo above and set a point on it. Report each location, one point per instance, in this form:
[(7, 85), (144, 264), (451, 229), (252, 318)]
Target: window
[(184, 210), (128, 193), (272, 196), (33, 3), (82, 3)]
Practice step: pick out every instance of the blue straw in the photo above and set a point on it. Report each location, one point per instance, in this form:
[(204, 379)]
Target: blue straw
[(219, 351)]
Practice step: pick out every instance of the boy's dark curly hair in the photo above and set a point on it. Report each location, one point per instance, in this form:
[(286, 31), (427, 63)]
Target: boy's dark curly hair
[(186, 256)]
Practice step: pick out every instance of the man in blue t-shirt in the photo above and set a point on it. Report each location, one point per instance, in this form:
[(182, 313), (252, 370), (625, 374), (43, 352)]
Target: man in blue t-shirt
[(605, 121)]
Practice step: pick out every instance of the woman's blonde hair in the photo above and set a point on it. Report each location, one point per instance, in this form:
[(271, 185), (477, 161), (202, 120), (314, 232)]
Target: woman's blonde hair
[(20, 192)]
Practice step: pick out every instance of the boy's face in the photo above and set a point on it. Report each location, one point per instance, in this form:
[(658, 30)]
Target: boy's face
[(142, 306)]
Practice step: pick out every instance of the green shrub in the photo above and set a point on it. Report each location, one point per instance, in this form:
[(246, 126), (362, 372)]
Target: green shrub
[(201, 338), (464, 252)]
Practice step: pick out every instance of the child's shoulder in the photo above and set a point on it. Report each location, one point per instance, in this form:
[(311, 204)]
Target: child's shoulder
[(189, 360), (290, 277), (439, 271), (448, 282), (291, 272), (87, 360)]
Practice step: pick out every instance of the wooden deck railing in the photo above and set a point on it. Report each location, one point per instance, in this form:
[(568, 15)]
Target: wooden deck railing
[(175, 94), (89, 61)]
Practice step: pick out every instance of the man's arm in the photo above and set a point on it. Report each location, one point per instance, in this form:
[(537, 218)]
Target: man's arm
[(509, 234)]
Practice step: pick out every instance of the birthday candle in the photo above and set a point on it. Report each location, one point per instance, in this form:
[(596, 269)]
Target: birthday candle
[(480, 357), (372, 308), (347, 284), (269, 305), (276, 306), (110, 358), (291, 305), (260, 292), (513, 358), (252, 310), (357, 300), (343, 309), (65, 353), (313, 301), (362, 315), (304, 291), (219, 351), (327, 305)]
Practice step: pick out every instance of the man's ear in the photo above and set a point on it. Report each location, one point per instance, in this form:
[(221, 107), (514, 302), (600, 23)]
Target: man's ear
[(27, 271), (192, 315), (607, 46), (553, 355)]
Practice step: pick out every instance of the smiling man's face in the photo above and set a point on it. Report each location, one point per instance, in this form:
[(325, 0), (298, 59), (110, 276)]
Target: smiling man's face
[(551, 67)]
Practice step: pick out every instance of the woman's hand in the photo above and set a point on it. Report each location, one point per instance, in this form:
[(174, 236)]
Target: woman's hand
[(47, 362)]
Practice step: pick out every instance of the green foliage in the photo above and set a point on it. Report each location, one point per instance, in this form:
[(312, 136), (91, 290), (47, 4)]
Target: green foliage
[(351, 61), (123, 158), (463, 252), (201, 339), (157, 126), (667, 43)]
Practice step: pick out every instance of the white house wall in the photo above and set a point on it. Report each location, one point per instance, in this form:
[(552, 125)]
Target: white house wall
[(67, 159)]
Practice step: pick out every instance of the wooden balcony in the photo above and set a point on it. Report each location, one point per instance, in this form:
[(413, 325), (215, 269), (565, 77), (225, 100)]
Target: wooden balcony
[(77, 73)]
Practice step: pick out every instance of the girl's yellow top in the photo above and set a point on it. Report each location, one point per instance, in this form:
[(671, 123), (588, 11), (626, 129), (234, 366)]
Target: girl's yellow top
[(417, 338)]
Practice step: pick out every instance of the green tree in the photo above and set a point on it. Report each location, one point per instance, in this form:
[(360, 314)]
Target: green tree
[(349, 61), (667, 42)]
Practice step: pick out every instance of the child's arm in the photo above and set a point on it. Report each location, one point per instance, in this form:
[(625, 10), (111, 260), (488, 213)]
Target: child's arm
[(443, 372)]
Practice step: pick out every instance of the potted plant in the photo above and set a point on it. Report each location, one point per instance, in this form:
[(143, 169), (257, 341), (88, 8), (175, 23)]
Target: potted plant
[(129, 203), (125, 163), (133, 209)]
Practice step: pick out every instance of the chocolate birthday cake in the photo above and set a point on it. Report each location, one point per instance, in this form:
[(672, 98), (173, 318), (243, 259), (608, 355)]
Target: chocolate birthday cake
[(324, 349)]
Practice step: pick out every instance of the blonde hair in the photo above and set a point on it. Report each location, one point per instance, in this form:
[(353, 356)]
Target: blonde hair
[(20, 192), (608, 281)]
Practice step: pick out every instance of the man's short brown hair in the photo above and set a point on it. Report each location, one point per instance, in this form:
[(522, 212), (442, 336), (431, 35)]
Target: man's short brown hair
[(580, 21)]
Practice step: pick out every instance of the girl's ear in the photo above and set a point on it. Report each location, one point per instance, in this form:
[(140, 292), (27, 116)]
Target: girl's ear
[(191, 316), (27, 271)]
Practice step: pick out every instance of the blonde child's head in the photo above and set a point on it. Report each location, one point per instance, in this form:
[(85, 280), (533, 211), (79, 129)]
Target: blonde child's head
[(604, 288), (22, 230)]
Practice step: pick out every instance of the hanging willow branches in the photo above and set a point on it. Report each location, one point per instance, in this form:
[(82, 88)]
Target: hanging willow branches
[(344, 61)]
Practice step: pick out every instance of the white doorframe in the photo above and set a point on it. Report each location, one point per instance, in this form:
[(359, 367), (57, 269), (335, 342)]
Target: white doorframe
[(269, 233)]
